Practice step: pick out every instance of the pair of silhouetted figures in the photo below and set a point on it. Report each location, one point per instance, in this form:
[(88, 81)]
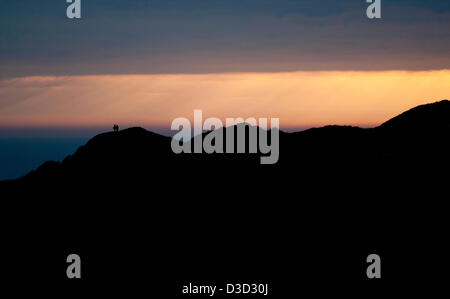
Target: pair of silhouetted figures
[(116, 128)]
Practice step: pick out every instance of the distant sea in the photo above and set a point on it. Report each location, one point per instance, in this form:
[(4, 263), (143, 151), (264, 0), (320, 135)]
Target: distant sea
[(18, 156)]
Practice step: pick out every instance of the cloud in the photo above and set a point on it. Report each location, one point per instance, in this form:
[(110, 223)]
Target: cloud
[(195, 36)]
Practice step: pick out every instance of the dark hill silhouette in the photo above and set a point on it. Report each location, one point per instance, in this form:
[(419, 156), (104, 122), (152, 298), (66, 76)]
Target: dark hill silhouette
[(337, 194), (421, 133), (432, 117)]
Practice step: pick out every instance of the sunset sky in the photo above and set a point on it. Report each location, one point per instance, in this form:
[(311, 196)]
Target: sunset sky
[(309, 63)]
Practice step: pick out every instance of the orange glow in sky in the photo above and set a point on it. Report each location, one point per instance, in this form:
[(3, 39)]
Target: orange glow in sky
[(299, 99)]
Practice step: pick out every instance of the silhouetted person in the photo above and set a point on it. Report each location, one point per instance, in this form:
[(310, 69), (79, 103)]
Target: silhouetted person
[(116, 128)]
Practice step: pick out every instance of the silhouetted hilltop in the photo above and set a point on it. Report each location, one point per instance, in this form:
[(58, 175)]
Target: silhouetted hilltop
[(126, 146), (430, 117), (334, 189), (419, 135)]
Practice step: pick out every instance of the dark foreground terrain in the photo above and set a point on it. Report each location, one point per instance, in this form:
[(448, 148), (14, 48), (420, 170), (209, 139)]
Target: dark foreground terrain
[(146, 221)]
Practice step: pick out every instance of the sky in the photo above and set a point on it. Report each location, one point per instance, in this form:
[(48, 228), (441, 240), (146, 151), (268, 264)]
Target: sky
[(137, 62), (299, 99)]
